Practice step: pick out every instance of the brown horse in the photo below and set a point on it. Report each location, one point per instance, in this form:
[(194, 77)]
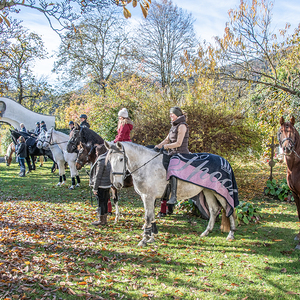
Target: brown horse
[(9, 153), (289, 140)]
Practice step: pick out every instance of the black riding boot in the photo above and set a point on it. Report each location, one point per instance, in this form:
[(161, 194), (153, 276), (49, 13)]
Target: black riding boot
[(173, 182)]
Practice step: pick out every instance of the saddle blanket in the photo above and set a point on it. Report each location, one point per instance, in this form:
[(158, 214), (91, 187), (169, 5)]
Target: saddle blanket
[(209, 171)]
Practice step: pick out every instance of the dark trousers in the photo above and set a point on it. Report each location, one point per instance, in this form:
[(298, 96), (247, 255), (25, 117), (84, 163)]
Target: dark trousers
[(102, 198)]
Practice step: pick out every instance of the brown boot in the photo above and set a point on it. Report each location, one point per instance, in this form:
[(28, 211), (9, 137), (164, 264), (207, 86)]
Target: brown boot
[(103, 220), (97, 223)]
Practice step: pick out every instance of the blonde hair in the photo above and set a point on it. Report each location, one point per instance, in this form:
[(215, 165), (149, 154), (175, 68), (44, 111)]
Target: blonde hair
[(122, 121)]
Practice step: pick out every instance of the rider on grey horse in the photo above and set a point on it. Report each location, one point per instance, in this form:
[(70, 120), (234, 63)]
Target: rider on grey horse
[(175, 142)]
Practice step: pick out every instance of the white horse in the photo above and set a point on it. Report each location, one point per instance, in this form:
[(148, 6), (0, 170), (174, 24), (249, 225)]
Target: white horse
[(149, 180), (57, 142)]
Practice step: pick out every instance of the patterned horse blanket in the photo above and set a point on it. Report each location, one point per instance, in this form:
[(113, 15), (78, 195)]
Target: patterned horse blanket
[(209, 171)]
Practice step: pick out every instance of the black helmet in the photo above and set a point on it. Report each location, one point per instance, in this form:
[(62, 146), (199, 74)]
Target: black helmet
[(71, 123), (83, 116), (37, 123), (42, 122)]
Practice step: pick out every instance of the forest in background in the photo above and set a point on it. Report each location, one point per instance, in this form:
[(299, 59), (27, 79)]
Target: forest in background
[(234, 91)]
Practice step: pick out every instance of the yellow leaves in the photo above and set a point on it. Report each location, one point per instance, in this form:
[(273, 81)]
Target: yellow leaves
[(144, 11), (3, 18), (126, 13), (82, 283)]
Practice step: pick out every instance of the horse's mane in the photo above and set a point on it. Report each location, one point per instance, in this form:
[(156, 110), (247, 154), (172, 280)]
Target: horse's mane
[(88, 135)]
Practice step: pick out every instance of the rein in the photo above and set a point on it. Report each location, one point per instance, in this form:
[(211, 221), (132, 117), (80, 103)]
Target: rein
[(51, 144), (125, 161)]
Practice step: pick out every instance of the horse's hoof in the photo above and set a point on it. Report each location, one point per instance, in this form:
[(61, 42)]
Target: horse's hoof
[(297, 247), (62, 183), (58, 184), (28, 172), (142, 244), (71, 187), (77, 185), (151, 240), (230, 238), (296, 238), (204, 234)]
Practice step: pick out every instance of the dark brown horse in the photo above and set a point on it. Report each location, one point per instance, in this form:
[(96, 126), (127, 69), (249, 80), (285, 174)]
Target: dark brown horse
[(289, 140)]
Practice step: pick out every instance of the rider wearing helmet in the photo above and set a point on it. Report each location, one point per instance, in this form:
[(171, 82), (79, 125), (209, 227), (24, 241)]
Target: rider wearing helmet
[(84, 123), (37, 129), (71, 126), (43, 125)]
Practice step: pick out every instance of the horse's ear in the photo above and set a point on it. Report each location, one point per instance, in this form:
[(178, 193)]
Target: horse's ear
[(292, 120), (119, 145), (281, 120), (107, 145), (77, 127)]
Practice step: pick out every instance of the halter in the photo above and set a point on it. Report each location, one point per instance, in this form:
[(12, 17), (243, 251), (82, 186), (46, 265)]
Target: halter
[(291, 142), (125, 175), (51, 144)]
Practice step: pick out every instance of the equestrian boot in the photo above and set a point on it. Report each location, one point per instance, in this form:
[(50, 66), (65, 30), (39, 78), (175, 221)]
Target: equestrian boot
[(103, 220), (173, 199), (22, 174), (97, 223)]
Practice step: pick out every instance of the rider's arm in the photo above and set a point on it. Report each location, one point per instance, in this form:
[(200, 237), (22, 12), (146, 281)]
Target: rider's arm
[(180, 136), (164, 142)]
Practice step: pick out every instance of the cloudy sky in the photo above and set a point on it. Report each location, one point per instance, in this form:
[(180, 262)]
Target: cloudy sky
[(210, 19)]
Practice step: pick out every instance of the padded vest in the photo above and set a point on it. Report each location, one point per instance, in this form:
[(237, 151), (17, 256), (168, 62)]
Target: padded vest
[(184, 148)]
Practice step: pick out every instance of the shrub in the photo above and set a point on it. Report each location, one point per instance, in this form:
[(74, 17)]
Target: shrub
[(246, 213), (279, 190)]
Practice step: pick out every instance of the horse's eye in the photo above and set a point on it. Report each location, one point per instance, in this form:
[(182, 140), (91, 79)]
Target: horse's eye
[(121, 159)]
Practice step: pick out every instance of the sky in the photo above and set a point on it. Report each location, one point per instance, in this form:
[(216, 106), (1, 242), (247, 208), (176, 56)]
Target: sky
[(210, 20)]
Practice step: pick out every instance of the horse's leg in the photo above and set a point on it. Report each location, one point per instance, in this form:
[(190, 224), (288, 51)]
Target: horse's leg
[(213, 211), (297, 201), (223, 202), (114, 194), (33, 162), (61, 171), (78, 180), (73, 172), (150, 225)]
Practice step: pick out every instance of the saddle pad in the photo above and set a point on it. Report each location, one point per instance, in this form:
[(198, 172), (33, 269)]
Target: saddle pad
[(209, 171)]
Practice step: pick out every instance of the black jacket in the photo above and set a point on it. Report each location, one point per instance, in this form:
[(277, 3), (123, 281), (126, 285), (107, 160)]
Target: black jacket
[(85, 124), (22, 150)]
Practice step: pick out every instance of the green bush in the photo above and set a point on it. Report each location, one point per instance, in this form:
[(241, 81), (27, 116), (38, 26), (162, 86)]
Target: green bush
[(246, 213), (279, 190)]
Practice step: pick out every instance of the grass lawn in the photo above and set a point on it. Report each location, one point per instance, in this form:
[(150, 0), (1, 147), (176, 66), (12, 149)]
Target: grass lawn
[(50, 250)]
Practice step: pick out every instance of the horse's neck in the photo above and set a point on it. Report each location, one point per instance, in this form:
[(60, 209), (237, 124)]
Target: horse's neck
[(137, 156), (9, 150), (60, 138)]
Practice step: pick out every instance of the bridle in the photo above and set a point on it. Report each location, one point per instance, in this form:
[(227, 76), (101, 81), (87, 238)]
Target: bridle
[(49, 142), (74, 139), (291, 141), (126, 173)]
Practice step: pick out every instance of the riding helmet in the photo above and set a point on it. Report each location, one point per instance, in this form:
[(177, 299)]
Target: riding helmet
[(71, 123), (83, 116)]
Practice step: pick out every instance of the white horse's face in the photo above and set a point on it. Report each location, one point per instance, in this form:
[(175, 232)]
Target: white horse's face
[(46, 143), (117, 165), (41, 139)]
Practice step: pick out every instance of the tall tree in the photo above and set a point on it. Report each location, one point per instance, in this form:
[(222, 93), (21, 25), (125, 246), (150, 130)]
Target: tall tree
[(63, 13), (19, 48), (162, 39), (94, 51)]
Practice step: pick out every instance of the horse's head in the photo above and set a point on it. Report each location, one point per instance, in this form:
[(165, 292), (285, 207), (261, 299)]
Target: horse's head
[(48, 139), (74, 140), (8, 160), (83, 156), (287, 136), (117, 158), (41, 139)]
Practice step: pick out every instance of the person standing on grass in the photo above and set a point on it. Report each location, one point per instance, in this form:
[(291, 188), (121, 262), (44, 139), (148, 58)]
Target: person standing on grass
[(101, 184), (21, 154), (125, 126)]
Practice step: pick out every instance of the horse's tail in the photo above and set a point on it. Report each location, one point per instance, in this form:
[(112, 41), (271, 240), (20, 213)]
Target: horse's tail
[(225, 223)]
